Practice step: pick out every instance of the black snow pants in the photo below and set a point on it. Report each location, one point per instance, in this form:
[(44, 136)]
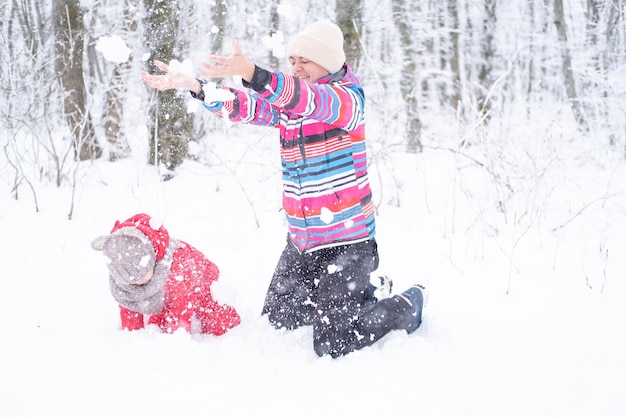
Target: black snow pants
[(326, 288)]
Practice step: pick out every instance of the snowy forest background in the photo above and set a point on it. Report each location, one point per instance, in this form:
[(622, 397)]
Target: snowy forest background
[(455, 75), (496, 143)]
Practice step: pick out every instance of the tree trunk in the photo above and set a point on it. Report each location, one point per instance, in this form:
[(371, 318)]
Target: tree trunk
[(219, 20), (409, 80), (274, 22), (599, 46), (69, 47), (485, 66), (566, 67), (454, 57), (350, 19), (170, 126), (116, 92)]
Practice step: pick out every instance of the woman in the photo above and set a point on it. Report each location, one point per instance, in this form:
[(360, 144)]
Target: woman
[(323, 273)]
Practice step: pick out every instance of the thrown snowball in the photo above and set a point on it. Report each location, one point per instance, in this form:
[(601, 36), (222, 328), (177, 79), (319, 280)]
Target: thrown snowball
[(113, 48), (275, 43), (185, 67)]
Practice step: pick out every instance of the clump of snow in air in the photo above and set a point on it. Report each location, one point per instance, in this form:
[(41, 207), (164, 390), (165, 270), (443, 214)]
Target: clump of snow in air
[(113, 48), (275, 43), (214, 94), (286, 10), (177, 67)]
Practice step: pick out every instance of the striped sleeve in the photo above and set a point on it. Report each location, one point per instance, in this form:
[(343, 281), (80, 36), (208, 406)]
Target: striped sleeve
[(246, 108), (338, 104)]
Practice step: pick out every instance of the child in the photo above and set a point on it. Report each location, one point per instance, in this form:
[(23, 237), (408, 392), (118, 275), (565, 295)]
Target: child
[(166, 279)]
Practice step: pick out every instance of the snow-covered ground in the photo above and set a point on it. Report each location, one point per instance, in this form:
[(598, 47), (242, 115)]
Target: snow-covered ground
[(521, 320)]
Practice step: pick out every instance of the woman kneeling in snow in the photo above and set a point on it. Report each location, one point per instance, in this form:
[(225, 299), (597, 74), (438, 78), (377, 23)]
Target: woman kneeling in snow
[(168, 280)]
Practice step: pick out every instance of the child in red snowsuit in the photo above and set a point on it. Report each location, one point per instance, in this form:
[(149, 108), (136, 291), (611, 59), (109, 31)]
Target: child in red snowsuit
[(165, 279)]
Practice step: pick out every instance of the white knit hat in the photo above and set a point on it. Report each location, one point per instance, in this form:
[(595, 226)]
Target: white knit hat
[(322, 43)]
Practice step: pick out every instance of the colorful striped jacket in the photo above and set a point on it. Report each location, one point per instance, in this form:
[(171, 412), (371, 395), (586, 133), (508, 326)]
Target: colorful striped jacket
[(326, 192)]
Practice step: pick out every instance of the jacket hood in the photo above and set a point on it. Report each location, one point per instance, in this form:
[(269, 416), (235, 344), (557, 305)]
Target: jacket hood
[(151, 228)]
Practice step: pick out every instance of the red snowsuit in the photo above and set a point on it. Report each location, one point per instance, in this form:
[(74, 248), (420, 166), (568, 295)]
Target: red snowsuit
[(187, 292)]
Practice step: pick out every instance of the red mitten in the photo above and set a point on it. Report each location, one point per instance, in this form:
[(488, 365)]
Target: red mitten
[(131, 320), (218, 319)]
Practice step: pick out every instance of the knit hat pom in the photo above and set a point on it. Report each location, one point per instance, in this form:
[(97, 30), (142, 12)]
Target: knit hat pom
[(322, 43)]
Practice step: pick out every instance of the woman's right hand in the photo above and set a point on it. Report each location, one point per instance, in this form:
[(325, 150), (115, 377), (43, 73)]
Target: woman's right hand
[(170, 80)]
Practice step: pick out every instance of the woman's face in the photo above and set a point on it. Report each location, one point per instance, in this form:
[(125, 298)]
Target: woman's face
[(306, 70)]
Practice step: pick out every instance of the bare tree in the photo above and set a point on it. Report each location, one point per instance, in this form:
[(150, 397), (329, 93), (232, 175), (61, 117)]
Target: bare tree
[(274, 27), (350, 20), (402, 17), (69, 50), (566, 67), (219, 20), (454, 53), (117, 89), (30, 102), (600, 24), (170, 126), (485, 65), (615, 38)]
